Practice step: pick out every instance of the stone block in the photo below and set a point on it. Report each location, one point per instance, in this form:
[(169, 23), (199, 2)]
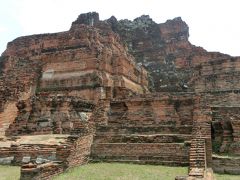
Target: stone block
[(6, 160), (26, 159)]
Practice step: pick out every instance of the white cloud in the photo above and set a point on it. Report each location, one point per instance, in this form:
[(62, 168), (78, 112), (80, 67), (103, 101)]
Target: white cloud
[(3, 29)]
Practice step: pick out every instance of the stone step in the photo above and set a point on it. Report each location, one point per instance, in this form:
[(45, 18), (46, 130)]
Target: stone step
[(197, 144), (197, 149), (197, 141), (196, 161), (197, 173), (172, 150), (197, 157), (158, 157), (141, 138), (194, 149), (167, 129), (197, 154), (152, 162), (197, 164), (129, 122)]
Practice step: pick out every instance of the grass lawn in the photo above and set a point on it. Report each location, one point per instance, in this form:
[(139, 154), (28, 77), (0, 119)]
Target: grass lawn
[(9, 172), (227, 177), (113, 171), (118, 171)]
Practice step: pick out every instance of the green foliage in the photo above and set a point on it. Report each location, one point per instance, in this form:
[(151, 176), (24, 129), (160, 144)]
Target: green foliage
[(235, 145), (150, 83), (216, 146)]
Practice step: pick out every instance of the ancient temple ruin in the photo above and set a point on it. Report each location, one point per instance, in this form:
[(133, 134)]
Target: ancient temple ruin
[(118, 91)]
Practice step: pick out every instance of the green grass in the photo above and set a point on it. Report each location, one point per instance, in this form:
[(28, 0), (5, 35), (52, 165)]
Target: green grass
[(9, 172), (118, 171), (227, 177), (113, 171)]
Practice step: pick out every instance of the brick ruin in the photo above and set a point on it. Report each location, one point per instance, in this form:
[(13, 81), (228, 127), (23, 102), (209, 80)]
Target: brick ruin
[(118, 91)]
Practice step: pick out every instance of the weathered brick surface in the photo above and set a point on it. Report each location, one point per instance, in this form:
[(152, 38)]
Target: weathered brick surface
[(145, 129), (82, 58), (226, 129), (93, 82), (23, 149), (40, 172), (218, 75), (226, 165), (165, 51), (7, 117), (75, 151), (17, 82), (141, 153), (51, 115), (31, 151)]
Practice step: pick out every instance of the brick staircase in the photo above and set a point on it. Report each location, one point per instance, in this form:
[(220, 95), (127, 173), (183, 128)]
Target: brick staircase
[(197, 157), (198, 151)]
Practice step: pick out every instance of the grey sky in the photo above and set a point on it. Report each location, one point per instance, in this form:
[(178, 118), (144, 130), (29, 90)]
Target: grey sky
[(214, 24)]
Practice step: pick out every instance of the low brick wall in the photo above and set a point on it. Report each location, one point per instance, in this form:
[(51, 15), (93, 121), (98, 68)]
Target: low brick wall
[(226, 165), (17, 155), (77, 153), (142, 153), (40, 172), (74, 152)]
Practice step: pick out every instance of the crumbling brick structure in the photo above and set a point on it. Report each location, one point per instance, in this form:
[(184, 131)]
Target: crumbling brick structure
[(117, 91)]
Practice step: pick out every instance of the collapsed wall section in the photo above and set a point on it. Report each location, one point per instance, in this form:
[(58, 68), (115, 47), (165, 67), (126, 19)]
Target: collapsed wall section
[(18, 81), (165, 51), (73, 152), (46, 114)]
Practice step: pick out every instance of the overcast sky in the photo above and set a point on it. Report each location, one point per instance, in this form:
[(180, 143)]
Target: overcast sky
[(214, 24)]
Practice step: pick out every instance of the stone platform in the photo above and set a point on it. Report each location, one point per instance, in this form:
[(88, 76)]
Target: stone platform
[(23, 149)]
